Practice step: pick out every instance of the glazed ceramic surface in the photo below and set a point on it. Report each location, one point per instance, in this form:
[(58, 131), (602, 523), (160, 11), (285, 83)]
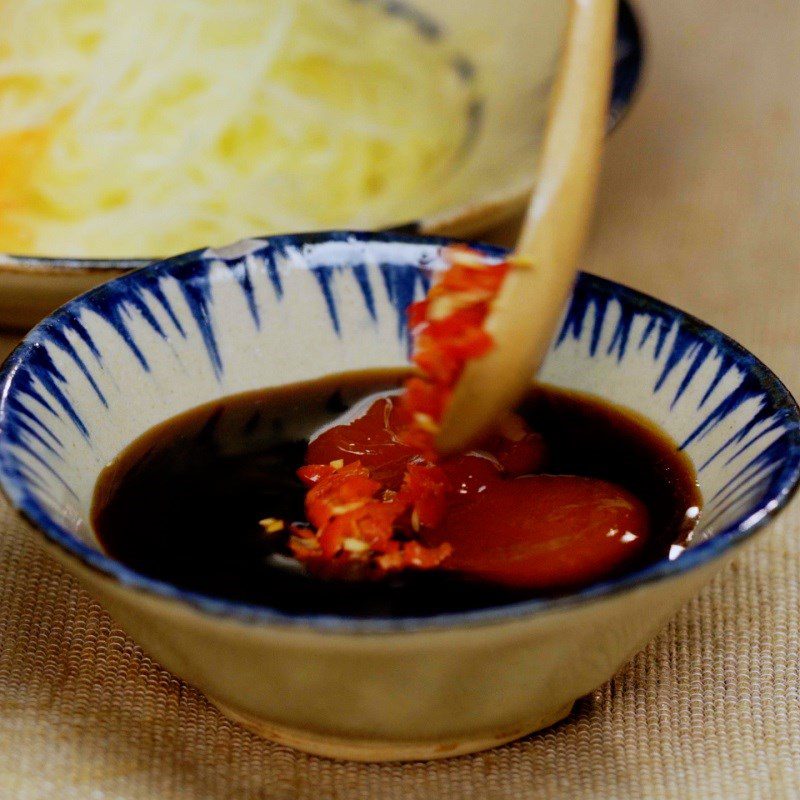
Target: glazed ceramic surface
[(155, 342), (509, 58)]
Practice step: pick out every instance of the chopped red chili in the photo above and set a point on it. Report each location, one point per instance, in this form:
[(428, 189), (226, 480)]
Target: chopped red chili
[(448, 332), (371, 515), (363, 532)]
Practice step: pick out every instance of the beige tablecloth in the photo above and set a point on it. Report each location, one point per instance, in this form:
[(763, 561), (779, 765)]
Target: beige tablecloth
[(700, 204)]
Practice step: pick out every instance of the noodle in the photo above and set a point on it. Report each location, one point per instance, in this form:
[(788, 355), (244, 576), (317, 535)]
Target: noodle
[(144, 127)]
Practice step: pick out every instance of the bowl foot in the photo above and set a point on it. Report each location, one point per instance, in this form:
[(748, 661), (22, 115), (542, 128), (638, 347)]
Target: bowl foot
[(372, 750)]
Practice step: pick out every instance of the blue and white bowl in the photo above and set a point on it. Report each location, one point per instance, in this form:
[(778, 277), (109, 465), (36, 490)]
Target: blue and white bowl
[(111, 364)]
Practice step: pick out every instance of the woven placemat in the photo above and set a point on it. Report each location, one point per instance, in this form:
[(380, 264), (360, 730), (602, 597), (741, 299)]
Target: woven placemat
[(709, 710)]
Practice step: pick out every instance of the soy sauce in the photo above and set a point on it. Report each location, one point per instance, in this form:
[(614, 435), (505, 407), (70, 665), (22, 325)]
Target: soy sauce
[(182, 503)]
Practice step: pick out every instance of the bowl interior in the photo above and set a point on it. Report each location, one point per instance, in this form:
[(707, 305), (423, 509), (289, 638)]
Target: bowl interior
[(515, 56), (116, 361)]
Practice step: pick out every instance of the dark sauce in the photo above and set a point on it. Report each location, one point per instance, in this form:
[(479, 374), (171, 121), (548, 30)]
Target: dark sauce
[(182, 503)]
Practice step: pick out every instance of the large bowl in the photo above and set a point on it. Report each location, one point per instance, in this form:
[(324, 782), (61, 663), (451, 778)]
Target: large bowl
[(514, 56), (111, 364)]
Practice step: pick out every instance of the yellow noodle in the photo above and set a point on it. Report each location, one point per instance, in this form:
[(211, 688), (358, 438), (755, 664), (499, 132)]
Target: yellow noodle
[(144, 127)]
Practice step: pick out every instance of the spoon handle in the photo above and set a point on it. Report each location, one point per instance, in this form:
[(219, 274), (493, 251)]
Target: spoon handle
[(530, 302)]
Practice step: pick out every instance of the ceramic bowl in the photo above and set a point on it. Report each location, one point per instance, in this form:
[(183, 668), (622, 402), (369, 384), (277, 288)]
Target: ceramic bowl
[(111, 364), (512, 58)]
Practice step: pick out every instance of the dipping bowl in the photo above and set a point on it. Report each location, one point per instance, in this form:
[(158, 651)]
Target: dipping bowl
[(116, 361)]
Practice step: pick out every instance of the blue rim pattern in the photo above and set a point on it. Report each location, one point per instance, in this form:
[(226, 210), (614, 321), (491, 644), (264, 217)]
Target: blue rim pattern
[(773, 471)]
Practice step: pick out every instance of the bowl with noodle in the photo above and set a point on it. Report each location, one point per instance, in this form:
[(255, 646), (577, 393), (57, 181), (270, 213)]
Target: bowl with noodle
[(131, 131)]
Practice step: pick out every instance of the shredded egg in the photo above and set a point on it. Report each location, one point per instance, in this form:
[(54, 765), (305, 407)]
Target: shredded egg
[(143, 127)]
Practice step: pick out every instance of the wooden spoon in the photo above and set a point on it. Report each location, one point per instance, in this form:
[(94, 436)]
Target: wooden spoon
[(532, 297)]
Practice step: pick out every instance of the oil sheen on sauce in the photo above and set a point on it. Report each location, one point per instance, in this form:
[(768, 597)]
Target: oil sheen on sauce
[(183, 502)]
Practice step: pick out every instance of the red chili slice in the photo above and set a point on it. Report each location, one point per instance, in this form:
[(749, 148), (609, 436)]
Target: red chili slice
[(425, 488), (339, 493)]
